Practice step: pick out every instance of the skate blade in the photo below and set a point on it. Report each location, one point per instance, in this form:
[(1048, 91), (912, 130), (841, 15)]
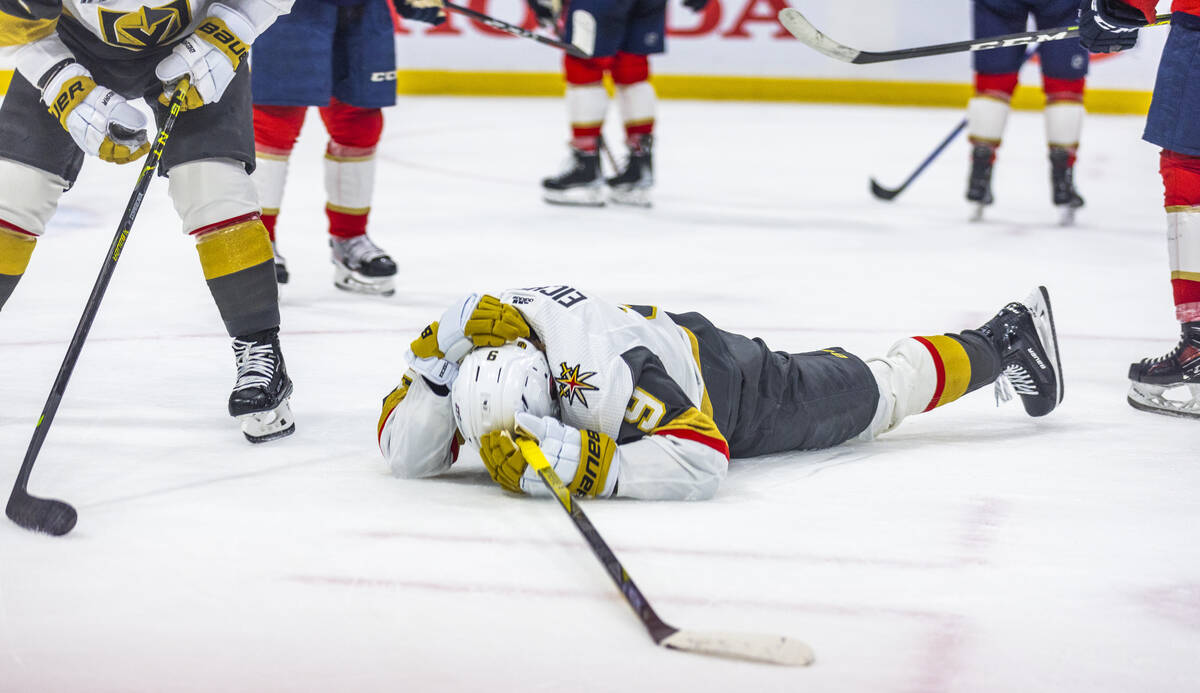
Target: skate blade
[(264, 426), (1038, 304), (589, 196), (976, 213), (631, 197), (354, 282), (1156, 399), (1066, 215)]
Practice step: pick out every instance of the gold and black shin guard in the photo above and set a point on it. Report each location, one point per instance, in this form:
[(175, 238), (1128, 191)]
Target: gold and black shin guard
[(239, 268), (963, 362), (15, 250)]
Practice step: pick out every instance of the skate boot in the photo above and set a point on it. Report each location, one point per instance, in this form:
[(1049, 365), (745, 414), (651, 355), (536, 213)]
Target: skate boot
[(362, 267), (632, 185), (580, 183), (1153, 378), (1062, 184), (1024, 335), (259, 400), (281, 272), (979, 182)]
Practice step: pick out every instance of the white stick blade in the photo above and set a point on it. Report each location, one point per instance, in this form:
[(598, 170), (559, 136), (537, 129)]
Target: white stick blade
[(802, 29), (771, 649)]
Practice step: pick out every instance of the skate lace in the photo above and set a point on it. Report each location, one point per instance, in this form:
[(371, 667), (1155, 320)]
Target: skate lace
[(359, 250), (255, 363), (1020, 380)]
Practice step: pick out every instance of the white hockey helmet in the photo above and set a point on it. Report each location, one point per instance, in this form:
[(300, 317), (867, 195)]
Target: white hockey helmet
[(494, 383)]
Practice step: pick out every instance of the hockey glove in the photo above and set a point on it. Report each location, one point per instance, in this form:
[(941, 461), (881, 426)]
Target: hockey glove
[(98, 119), (428, 11), (494, 324), (1108, 26), (587, 461), (695, 5), (211, 56), (546, 11)]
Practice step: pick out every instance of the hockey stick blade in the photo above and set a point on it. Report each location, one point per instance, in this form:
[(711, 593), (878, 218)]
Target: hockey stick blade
[(798, 26), (883, 193), (47, 515), (769, 649), (772, 649), (515, 30)]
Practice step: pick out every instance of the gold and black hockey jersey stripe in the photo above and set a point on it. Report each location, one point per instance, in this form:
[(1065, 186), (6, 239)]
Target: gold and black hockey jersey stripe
[(26, 21)]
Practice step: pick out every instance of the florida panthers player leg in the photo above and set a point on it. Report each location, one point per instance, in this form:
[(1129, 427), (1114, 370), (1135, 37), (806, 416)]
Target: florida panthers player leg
[(1168, 384), (620, 35), (77, 64), (638, 402), (338, 55), (1064, 68)]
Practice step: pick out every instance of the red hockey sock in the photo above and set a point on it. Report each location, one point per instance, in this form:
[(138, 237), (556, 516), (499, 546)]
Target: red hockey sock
[(1181, 183)]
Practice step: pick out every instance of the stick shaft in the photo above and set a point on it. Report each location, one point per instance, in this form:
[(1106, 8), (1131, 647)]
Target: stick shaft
[(516, 30), (98, 290), (658, 630)]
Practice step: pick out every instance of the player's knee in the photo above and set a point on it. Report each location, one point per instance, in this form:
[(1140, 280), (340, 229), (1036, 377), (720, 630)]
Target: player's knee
[(1181, 179), (211, 192), (630, 69), (580, 71), (277, 127), (350, 126), (30, 197), (996, 85)]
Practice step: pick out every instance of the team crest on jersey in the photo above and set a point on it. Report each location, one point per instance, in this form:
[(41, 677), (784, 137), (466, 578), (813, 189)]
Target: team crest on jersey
[(572, 384), (146, 27)]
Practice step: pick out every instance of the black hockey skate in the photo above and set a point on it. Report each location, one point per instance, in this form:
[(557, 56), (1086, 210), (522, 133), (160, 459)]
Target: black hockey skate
[(281, 271), (1062, 185), (1153, 378), (632, 185), (362, 267), (1024, 335), (580, 183), (979, 182), (259, 400)]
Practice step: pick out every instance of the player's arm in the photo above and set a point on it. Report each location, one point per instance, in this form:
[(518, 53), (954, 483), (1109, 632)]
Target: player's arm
[(416, 427), (669, 449)]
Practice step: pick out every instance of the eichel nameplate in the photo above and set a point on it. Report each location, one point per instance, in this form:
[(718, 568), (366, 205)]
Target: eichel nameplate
[(146, 27)]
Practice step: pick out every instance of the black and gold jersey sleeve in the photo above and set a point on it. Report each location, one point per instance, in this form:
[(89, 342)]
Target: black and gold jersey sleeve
[(26, 21), (659, 407)]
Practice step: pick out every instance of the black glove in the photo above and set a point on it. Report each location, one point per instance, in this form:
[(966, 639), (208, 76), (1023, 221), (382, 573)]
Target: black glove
[(1108, 26), (695, 5), (428, 11), (545, 11)]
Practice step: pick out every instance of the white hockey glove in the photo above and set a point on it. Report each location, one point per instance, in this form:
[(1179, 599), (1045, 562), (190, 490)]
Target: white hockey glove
[(98, 119), (587, 461), (210, 56)]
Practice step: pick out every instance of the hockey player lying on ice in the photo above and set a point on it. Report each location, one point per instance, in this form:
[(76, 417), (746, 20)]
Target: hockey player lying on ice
[(655, 403)]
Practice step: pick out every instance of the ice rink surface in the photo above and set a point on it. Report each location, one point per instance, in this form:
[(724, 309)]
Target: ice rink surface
[(974, 549)]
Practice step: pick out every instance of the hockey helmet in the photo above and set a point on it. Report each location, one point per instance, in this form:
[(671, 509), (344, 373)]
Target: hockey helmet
[(494, 383)]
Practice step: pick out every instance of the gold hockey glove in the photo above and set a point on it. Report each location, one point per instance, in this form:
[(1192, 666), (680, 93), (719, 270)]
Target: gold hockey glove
[(493, 323)]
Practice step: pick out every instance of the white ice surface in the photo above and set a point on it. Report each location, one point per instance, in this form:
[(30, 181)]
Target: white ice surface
[(974, 549)]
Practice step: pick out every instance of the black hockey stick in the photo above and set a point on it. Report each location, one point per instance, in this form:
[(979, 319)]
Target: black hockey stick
[(890, 193), (802, 29), (516, 30), (46, 514), (772, 649)]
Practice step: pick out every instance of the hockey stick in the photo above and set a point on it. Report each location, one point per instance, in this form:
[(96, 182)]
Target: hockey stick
[(802, 29), (771, 649), (890, 193), (516, 30), (47, 514)]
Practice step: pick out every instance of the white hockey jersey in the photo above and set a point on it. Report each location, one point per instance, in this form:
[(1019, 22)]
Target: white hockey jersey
[(28, 28), (627, 371)]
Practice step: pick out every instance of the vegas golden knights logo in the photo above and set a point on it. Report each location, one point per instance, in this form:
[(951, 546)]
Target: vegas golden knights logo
[(147, 27)]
